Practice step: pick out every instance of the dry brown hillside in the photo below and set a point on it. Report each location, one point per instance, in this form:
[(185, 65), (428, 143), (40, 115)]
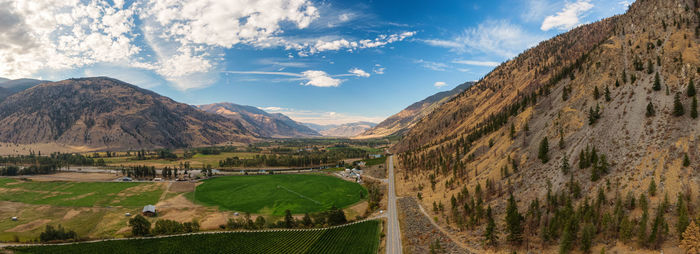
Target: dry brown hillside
[(474, 150), (105, 113)]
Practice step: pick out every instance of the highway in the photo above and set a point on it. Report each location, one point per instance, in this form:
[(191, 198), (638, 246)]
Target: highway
[(393, 240)]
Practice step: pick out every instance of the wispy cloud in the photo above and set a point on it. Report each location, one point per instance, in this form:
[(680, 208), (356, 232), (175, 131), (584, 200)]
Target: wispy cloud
[(477, 63), (439, 84), (492, 37), (568, 17), (311, 77), (436, 66)]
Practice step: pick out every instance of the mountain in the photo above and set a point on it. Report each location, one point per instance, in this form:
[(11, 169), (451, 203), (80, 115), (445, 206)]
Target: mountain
[(261, 122), (341, 130), (9, 87), (573, 128), (18, 85), (407, 118), (108, 113)]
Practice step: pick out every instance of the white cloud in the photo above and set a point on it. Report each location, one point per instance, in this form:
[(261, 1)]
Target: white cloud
[(359, 72), (379, 70), (493, 37), (439, 84), (477, 63), (432, 65), (568, 17), (320, 79), (321, 117)]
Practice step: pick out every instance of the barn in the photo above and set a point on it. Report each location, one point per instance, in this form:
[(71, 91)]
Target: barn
[(149, 210)]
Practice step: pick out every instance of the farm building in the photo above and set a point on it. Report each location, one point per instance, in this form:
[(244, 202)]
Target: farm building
[(149, 210)]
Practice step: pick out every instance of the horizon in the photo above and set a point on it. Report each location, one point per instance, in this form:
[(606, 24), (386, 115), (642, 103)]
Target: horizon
[(322, 62)]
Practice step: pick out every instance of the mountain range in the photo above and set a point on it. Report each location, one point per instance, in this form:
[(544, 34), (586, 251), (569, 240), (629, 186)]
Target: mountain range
[(265, 124), (341, 130), (407, 118)]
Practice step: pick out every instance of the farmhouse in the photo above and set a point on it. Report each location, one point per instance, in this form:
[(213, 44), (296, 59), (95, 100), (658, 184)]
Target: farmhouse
[(149, 210)]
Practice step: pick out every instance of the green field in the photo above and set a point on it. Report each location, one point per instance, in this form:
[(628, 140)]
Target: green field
[(273, 194), (375, 161), (80, 194), (358, 238)]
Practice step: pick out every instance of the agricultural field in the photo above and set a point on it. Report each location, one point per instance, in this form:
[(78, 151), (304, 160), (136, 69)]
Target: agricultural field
[(357, 238), (80, 194), (273, 194)]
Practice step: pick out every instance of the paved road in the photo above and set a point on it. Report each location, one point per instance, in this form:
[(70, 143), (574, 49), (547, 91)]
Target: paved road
[(393, 240)]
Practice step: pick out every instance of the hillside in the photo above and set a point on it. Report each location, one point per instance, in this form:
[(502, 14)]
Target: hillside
[(576, 129), (407, 118), (9, 87), (261, 122), (107, 113), (341, 130)]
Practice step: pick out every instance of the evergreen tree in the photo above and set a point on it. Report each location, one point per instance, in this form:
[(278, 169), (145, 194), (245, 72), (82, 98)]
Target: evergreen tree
[(657, 83), (694, 107), (652, 188), (596, 93), (650, 110), (565, 94), (543, 154), (691, 89), (587, 237), (658, 229), (686, 160), (490, 236), (678, 106), (683, 220), (617, 83), (624, 76), (565, 165), (512, 131), (607, 94), (288, 219), (650, 67), (514, 222)]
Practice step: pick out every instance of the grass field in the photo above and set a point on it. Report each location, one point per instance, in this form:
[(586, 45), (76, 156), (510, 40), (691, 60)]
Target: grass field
[(80, 194), (375, 161), (273, 194), (198, 161), (359, 238)]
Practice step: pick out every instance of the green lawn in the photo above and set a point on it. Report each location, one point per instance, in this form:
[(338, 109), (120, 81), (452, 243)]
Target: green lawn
[(273, 194), (359, 238), (80, 194), (375, 161)]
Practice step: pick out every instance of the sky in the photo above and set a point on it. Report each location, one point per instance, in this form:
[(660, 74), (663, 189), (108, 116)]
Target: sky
[(323, 62)]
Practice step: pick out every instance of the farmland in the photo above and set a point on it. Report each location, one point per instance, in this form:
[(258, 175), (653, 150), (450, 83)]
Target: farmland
[(80, 194), (273, 194), (357, 238)]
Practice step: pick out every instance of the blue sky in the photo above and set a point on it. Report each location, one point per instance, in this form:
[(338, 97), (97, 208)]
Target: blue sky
[(316, 61)]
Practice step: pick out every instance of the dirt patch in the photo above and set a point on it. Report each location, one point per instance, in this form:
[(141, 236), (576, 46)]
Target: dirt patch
[(70, 214), (212, 221), (80, 196), (418, 233), (177, 202), (182, 187), (74, 177), (29, 226)]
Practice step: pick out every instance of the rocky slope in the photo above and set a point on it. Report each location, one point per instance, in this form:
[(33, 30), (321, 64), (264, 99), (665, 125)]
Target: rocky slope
[(9, 87), (407, 118), (587, 88), (110, 114), (261, 122)]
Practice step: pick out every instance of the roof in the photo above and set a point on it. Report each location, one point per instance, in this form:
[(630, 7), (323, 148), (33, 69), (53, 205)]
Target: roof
[(149, 208)]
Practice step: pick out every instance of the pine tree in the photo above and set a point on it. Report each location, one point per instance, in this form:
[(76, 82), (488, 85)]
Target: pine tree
[(565, 94), (587, 237), (624, 76), (657, 83), (652, 188), (617, 83), (512, 131), (686, 160), (514, 222), (490, 236), (691, 89), (658, 229), (544, 150), (650, 110), (678, 106), (596, 93), (650, 67), (607, 94), (694, 107), (683, 219), (565, 165)]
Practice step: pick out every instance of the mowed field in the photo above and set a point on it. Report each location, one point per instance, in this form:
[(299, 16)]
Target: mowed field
[(359, 238), (81, 194), (273, 194), (92, 209)]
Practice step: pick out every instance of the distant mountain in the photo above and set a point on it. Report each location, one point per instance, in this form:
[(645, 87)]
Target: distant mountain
[(266, 124), (108, 113), (18, 85), (341, 130), (407, 118), (9, 87)]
